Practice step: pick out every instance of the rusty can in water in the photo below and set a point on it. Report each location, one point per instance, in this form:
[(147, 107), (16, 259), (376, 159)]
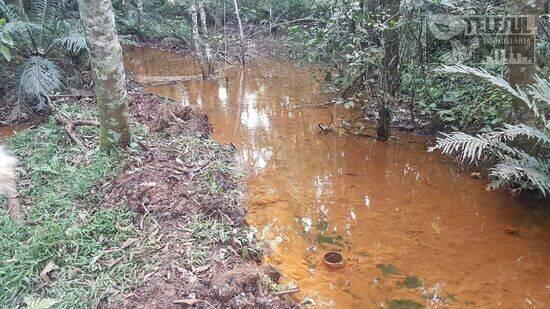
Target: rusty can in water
[(333, 260)]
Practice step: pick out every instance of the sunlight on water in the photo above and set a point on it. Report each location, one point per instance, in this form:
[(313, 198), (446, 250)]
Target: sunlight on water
[(409, 226)]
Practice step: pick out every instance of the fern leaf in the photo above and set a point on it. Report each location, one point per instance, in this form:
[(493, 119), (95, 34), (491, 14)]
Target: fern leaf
[(532, 175), (39, 78), (74, 43), (8, 11), (511, 132), (468, 147)]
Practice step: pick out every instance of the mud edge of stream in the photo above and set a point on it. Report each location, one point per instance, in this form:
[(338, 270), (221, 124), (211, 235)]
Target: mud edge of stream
[(193, 188)]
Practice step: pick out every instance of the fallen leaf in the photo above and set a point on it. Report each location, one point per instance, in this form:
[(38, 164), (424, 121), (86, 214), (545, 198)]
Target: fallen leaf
[(129, 242), (44, 273), (201, 269), (475, 175), (109, 263)]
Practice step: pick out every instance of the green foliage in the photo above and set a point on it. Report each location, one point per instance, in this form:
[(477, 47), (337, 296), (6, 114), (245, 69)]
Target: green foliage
[(455, 102), (42, 39), (39, 77), (520, 152), (159, 20), (6, 41), (257, 12), (65, 226)]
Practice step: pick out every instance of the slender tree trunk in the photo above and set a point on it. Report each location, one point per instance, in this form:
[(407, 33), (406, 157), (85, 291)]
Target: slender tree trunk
[(524, 73), (139, 5), (241, 32), (197, 41), (391, 76), (270, 18), (108, 70), (207, 50)]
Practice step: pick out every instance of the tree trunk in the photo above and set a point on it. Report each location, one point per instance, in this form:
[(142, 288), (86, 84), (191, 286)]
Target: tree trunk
[(524, 73), (197, 41), (270, 19), (391, 77), (139, 5), (207, 50), (241, 32), (108, 70)]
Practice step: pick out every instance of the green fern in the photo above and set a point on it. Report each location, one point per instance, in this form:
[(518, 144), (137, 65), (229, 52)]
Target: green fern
[(39, 78), (521, 152), (42, 40)]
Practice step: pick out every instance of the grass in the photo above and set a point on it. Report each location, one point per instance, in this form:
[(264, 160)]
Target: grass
[(65, 225), (207, 232), (62, 189)]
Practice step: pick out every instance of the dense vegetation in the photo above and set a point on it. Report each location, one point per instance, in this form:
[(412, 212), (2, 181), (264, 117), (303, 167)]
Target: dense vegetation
[(44, 52), (374, 58)]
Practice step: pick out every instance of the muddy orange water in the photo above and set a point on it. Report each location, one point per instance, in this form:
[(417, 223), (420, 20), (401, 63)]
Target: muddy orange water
[(388, 208), (7, 131)]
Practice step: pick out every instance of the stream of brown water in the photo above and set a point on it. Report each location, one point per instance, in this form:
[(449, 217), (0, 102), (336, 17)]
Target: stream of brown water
[(387, 207), (7, 131)]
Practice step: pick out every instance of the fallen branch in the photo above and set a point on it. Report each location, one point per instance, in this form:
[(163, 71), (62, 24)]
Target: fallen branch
[(70, 127), (53, 96), (291, 291), (327, 127), (160, 80)]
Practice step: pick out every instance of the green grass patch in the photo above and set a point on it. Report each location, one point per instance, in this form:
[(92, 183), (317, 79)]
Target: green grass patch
[(65, 225), (411, 282), (388, 269), (404, 304)]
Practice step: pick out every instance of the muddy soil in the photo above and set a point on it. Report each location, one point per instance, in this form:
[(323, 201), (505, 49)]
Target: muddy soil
[(172, 182)]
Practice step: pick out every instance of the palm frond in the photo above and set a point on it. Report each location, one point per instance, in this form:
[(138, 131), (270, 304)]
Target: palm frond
[(74, 43), (511, 132), (483, 74), (8, 11), (532, 175), (467, 146), (527, 168), (18, 27), (45, 13), (39, 78), (71, 37)]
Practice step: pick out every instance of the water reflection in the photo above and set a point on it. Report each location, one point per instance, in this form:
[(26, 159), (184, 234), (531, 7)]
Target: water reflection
[(376, 203)]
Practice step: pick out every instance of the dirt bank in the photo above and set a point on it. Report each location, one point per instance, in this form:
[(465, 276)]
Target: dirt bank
[(190, 186)]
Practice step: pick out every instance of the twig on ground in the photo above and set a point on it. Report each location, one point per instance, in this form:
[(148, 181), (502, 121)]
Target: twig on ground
[(291, 291)]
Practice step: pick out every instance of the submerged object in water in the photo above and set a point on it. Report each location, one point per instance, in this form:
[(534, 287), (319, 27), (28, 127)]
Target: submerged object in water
[(333, 260)]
